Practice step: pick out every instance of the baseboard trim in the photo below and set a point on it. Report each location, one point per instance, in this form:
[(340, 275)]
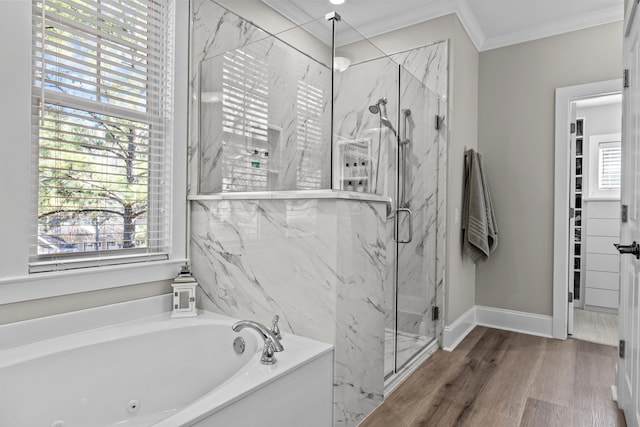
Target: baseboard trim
[(497, 318), (453, 334), (516, 321)]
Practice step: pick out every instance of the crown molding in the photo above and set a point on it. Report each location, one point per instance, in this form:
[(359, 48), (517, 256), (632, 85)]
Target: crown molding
[(467, 18), (407, 18), (575, 23)]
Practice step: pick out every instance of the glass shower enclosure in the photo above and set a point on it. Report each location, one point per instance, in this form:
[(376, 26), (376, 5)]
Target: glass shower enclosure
[(386, 116), (319, 106)]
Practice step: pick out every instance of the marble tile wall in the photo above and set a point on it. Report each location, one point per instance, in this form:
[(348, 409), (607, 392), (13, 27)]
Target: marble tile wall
[(318, 264), (429, 64)]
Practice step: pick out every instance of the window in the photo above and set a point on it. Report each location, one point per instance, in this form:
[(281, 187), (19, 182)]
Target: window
[(101, 132), (603, 166), (609, 157)]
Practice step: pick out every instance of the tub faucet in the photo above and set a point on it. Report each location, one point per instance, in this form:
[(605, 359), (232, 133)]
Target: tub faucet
[(271, 343)]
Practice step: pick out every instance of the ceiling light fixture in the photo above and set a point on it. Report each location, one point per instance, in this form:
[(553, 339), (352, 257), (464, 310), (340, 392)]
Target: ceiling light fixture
[(340, 63), (336, 1)]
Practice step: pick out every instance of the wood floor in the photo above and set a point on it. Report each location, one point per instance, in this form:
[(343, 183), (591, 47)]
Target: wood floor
[(499, 378)]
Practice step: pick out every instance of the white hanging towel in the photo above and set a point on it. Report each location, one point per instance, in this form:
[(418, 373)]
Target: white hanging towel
[(479, 229)]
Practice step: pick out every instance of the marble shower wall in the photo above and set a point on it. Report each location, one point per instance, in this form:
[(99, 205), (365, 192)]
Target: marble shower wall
[(316, 263), (357, 89), (260, 109), (429, 64)]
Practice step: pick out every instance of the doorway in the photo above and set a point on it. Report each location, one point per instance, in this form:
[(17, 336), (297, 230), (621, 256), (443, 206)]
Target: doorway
[(587, 212), (595, 167)]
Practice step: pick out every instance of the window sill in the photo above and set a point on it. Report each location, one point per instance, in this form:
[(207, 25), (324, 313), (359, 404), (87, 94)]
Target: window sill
[(51, 284)]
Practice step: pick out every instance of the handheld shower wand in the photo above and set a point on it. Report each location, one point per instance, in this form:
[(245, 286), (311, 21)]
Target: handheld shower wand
[(380, 108)]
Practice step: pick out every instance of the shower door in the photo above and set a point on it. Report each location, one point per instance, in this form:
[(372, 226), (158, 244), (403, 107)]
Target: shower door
[(415, 219), (381, 106)]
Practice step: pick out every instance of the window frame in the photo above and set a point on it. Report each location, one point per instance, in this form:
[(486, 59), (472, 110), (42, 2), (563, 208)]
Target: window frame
[(602, 146), (593, 171), (16, 284), (154, 115)]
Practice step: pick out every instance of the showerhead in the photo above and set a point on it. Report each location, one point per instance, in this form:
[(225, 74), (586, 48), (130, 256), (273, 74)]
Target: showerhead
[(375, 108), (379, 108)]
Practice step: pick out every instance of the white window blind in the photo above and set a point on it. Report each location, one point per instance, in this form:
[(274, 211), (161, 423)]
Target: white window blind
[(101, 131), (609, 165)]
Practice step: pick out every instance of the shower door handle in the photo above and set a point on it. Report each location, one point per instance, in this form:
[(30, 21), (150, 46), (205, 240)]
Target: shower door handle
[(407, 210)]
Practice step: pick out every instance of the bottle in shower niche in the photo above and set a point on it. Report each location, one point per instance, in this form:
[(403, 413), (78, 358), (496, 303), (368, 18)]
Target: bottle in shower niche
[(360, 187), (355, 170), (349, 186)]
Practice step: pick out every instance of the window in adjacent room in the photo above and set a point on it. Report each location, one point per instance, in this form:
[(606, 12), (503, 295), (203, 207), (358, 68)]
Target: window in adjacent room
[(609, 165), (101, 132), (604, 161)]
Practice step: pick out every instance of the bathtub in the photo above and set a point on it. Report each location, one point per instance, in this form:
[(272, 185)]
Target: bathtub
[(164, 372)]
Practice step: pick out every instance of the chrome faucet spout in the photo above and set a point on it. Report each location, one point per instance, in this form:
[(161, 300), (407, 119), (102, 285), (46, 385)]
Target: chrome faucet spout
[(264, 332)]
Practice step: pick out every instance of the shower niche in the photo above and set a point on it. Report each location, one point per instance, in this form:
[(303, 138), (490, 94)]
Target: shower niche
[(317, 191), (355, 171)]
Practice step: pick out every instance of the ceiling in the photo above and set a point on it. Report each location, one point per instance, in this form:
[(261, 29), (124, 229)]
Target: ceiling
[(489, 23)]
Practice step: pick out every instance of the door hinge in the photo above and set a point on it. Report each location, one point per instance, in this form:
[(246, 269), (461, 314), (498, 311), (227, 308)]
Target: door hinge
[(572, 128), (570, 296), (435, 313), (624, 213), (439, 122), (621, 348), (572, 213), (625, 78)]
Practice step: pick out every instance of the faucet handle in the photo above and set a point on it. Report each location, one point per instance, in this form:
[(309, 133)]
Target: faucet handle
[(275, 329), (268, 353)]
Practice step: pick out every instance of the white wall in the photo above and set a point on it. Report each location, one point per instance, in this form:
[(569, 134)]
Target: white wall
[(516, 138), (23, 295)]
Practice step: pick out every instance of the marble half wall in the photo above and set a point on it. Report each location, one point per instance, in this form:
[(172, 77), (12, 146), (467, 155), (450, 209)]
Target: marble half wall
[(318, 264)]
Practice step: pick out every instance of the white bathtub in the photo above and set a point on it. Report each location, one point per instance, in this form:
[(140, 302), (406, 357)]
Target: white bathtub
[(164, 372)]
